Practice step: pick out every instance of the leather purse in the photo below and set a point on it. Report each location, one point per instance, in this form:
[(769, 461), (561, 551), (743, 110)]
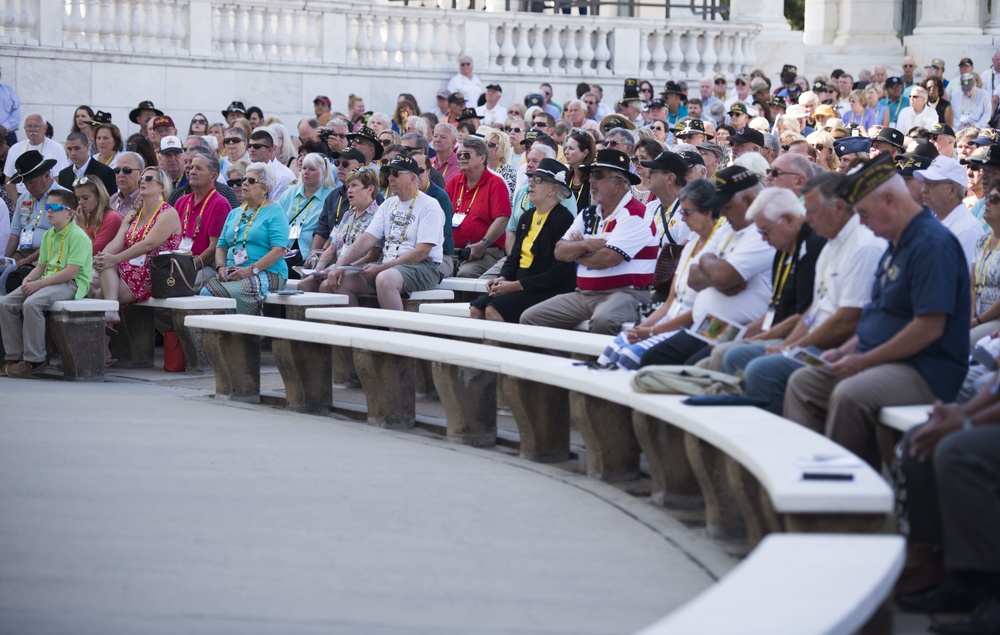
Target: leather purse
[(172, 275)]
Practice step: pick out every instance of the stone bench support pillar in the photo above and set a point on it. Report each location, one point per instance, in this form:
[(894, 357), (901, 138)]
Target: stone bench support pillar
[(673, 480), (195, 359), (236, 360), (79, 338), (389, 382), (612, 449), (306, 371), (469, 400), (542, 415), (722, 512), (133, 344)]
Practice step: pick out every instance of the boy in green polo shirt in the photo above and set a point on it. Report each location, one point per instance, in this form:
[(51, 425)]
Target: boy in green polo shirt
[(63, 272)]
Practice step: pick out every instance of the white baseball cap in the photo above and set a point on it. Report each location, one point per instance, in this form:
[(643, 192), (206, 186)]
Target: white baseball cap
[(170, 143), (944, 169)]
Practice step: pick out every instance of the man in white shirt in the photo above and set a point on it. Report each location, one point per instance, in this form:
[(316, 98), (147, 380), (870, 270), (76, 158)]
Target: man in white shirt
[(34, 128), (262, 150), (945, 182), (465, 82), (971, 104), (410, 225), (492, 113), (991, 81)]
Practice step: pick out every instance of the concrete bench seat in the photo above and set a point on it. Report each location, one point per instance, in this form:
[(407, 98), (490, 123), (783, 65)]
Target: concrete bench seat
[(814, 584), (296, 305), (744, 461), (464, 285), (133, 345), (894, 422), (461, 309), (432, 295), (77, 328)]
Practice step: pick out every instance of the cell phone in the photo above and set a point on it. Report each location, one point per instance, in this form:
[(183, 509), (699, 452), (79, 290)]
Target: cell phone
[(826, 476), (290, 292)]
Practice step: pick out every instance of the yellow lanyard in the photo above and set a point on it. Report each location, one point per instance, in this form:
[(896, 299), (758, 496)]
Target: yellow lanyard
[(473, 201), (246, 232), (779, 283), (145, 229), (55, 266), (982, 266), (722, 252), (678, 291), (197, 224), (579, 192), (108, 162), (299, 204)]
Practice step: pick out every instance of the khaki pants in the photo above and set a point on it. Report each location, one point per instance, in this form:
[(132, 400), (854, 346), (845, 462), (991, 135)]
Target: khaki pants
[(847, 411), (606, 310), (22, 320)]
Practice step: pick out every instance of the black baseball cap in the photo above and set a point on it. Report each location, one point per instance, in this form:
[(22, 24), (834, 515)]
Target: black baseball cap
[(668, 161), (907, 164), (402, 163), (749, 135), (729, 183)]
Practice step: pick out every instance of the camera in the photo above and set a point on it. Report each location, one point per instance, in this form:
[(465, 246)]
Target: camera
[(324, 134)]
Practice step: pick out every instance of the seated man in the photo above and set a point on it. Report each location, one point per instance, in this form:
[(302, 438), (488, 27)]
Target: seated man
[(63, 272), (912, 342), (203, 213), (842, 284), (614, 246), (952, 510), (412, 225)]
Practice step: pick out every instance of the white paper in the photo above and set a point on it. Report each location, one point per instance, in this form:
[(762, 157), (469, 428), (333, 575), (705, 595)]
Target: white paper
[(829, 460)]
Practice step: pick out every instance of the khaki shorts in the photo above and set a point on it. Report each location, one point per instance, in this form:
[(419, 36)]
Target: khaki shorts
[(419, 277)]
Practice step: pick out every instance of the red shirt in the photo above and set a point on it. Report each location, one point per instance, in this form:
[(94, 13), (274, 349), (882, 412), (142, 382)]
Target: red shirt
[(482, 204), (104, 234), (204, 220)]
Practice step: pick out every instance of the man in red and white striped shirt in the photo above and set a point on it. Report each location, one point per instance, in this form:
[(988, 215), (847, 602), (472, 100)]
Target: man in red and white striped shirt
[(615, 248)]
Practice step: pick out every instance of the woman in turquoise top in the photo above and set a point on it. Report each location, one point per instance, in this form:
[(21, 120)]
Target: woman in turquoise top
[(252, 245), (303, 202)]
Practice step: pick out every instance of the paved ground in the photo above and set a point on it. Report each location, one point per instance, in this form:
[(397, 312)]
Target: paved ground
[(142, 508)]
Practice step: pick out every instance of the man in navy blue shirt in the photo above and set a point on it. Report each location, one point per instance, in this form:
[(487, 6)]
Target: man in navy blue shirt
[(912, 342)]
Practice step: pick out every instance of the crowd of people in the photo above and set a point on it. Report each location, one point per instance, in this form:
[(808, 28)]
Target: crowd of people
[(845, 224)]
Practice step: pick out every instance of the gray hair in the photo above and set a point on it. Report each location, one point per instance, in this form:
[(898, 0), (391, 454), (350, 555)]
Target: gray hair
[(419, 140), (419, 123), (264, 175), (448, 127), (544, 150), (775, 202), (201, 141), (828, 183), (213, 163), (625, 135), (772, 143), (699, 192), (211, 142), (754, 162), (464, 58), (338, 121), (136, 158), (476, 145), (287, 149), (318, 161)]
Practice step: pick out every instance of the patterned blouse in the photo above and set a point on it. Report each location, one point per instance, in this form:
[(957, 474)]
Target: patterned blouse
[(353, 225), (986, 274)]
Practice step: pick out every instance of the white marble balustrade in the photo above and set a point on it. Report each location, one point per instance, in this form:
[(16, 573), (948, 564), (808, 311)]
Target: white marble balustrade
[(19, 22), (697, 48)]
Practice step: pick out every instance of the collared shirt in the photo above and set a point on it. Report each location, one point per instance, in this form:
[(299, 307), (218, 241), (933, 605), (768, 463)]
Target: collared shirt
[(304, 213), (475, 208), (10, 109), (657, 213), (752, 258), (123, 205), (923, 274), (971, 111), (30, 214), (894, 108), (470, 87), (438, 194), (202, 220), (626, 232), (448, 169), (71, 246), (49, 149), (845, 271), (80, 171), (966, 228), (492, 116)]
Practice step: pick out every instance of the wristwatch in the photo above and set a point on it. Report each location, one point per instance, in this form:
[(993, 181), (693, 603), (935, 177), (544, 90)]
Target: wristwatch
[(486, 241), (255, 270)]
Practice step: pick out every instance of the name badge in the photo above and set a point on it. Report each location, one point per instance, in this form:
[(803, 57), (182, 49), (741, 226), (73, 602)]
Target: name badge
[(186, 244), (390, 252), (457, 219), (294, 232), (239, 256), (768, 320), (138, 261), (27, 237)]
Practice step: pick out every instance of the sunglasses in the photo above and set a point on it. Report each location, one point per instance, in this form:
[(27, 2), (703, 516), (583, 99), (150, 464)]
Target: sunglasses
[(395, 173), (82, 181), (658, 128), (56, 207), (386, 143), (229, 141), (492, 145), (740, 82), (646, 90), (235, 183), (200, 121), (342, 164), (720, 82), (776, 173), (125, 171), (517, 130), (541, 124), (463, 156), (598, 175), (250, 181), (992, 200), (611, 143), (259, 146), (149, 178)]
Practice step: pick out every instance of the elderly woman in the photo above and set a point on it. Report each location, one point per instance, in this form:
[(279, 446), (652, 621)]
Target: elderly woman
[(252, 246), (234, 144), (361, 185), (94, 213), (284, 148), (627, 348), (917, 114), (646, 149), (826, 158), (107, 143), (986, 273), (303, 203), (234, 178), (580, 149), (531, 274), (859, 112), (152, 227), (498, 144)]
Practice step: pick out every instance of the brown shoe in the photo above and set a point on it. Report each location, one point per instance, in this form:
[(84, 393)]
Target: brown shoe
[(4, 366), (26, 368)]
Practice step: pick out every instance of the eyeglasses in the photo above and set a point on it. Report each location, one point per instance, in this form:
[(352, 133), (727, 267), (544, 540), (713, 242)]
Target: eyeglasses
[(537, 180), (342, 164), (234, 183), (386, 143), (776, 173), (56, 207), (740, 82), (34, 126), (598, 175), (540, 124), (687, 212), (993, 199), (492, 145), (125, 171), (611, 143), (463, 156), (720, 82), (82, 181), (229, 141), (764, 231), (149, 178), (590, 103), (646, 90), (200, 121), (259, 146), (466, 64), (517, 130), (909, 65), (250, 181), (395, 173)]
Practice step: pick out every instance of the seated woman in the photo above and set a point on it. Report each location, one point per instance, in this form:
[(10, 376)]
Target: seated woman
[(252, 245), (234, 178), (676, 313), (361, 185), (94, 213), (149, 229), (986, 273), (303, 203), (531, 274)]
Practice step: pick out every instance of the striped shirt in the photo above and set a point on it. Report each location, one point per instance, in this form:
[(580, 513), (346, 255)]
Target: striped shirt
[(625, 231)]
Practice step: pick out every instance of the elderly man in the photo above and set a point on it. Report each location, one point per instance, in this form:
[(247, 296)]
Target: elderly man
[(34, 128), (456, 104), (593, 103), (203, 212), (944, 185), (443, 142), (790, 171), (410, 226), (492, 113), (127, 180), (465, 82), (322, 107), (691, 131), (432, 189), (614, 246), (965, 66), (160, 127), (739, 116), (620, 139), (743, 97), (747, 141), (888, 141), (850, 149), (972, 105), (366, 140), (142, 114), (192, 150), (172, 161), (576, 115), (82, 164), (481, 208), (943, 137), (308, 130), (909, 68), (843, 278), (733, 272), (912, 342), (712, 154), (706, 90), (34, 172), (235, 110), (262, 150), (674, 96)]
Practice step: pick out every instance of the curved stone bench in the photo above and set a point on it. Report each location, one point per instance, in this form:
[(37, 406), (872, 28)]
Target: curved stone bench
[(295, 305), (77, 328), (894, 422)]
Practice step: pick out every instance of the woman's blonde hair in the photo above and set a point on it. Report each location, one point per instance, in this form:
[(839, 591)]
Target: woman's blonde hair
[(103, 200), (502, 139), (825, 139), (366, 174)]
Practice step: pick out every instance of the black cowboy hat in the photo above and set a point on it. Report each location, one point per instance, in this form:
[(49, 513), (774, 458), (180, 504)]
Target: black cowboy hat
[(613, 160), (369, 135), (29, 165), (133, 115)]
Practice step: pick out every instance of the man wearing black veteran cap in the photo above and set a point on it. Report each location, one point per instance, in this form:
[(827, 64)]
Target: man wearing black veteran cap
[(692, 131), (631, 103), (912, 342), (739, 116), (888, 141), (733, 272), (906, 165), (410, 226), (943, 137), (667, 176), (749, 140), (613, 245)]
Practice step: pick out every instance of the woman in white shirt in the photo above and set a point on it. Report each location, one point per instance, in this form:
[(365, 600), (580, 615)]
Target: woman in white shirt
[(676, 313)]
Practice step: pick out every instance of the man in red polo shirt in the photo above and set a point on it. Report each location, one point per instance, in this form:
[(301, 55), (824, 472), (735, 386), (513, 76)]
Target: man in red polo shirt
[(203, 213), (480, 210), (615, 248)]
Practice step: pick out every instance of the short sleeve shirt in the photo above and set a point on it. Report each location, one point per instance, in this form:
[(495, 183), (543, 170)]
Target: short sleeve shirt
[(475, 209), (752, 258), (845, 271), (405, 224), (269, 229), (204, 220), (71, 246), (30, 214)]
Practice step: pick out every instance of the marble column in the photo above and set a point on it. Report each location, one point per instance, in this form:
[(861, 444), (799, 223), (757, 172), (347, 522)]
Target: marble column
[(867, 23), (993, 27), (955, 17), (820, 22)]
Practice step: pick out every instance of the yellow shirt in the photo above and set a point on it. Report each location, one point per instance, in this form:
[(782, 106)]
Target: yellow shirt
[(529, 239)]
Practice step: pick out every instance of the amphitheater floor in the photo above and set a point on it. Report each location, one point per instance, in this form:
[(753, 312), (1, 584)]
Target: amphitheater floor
[(144, 506)]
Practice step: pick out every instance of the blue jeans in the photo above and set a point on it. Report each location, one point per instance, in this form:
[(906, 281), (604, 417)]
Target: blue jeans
[(765, 376)]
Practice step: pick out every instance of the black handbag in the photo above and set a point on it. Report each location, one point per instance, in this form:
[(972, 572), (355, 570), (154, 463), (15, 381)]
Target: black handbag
[(16, 278), (172, 275)]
